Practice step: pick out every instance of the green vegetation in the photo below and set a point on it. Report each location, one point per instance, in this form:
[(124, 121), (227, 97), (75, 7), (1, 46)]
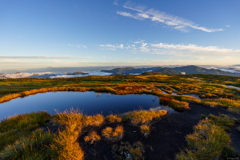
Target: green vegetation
[(21, 136), (222, 120), (209, 140), (232, 105), (127, 151), (175, 104), (35, 146), (19, 126)]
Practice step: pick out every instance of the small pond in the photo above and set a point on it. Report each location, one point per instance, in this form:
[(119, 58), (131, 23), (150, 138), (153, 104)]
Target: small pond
[(88, 102), (233, 87)]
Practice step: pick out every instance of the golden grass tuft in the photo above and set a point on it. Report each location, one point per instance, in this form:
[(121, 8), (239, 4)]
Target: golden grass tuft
[(113, 118), (145, 130), (66, 146), (92, 137), (95, 120), (142, 116), (232, 105), (111, 135), (175, 104), (209, 141)]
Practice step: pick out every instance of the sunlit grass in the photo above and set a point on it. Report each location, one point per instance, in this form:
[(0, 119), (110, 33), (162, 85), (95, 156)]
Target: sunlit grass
[(209, 141), (113, 118), (232, 105), (18, 126), (144, 117), (65, 145), (35, 146), (145, 130), (175, 104), (113, 135), (92, 137), (223, 121)]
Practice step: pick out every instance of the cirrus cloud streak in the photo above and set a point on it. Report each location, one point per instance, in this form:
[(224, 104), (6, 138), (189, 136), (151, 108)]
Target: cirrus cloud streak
[(162, 17)]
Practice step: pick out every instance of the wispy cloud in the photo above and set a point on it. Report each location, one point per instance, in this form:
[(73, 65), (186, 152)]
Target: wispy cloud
[(77, 45), (141, 13), (111, 47), (144, 47), (191, 50), (41, 57), (227, 26), (115, 2)]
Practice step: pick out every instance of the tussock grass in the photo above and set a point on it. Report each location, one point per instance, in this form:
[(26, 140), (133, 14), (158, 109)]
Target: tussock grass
[(65, 145), (75, 117), (209, 141), (113, 118), (145, 130), (95, 120), (18, 126), (35, 146), (179, 106), (187, 99), (222, 120), (144, 117), (175, 104), (92, 137), (232, 105), (127, 151), (113, 135)]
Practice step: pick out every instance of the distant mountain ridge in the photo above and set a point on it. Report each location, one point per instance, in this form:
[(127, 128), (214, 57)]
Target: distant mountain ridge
[(171, 71)]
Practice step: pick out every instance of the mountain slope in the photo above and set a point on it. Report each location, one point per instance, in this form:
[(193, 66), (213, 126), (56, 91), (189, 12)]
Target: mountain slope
[(171, 71)]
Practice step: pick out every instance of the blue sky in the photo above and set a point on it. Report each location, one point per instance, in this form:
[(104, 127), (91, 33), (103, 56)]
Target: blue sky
[(61, 33)]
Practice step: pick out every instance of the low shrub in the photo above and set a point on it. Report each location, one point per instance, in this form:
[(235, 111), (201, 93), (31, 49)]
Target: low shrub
[(111, 135), (203, 116), (145, 130), (222, 120), (209, 141), (113, 118), (95, 120), (127, 151), (92, 137)]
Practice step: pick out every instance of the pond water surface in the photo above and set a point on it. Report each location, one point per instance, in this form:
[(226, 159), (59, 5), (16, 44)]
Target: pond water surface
[(88, 102)]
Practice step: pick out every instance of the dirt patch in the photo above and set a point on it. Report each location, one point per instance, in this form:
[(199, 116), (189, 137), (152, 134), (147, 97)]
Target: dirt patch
[(166, 139)]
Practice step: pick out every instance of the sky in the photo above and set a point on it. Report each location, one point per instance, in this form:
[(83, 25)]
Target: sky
[(73, 33)]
